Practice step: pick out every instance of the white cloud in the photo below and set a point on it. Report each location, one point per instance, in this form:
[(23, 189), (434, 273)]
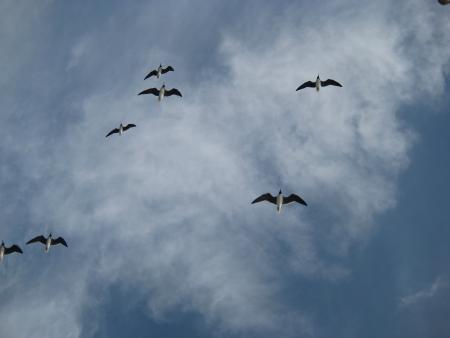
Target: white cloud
[(424, 294), (167, 204)]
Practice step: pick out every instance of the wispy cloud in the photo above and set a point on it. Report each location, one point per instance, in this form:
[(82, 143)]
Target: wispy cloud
[(165, 208), (424, 294)]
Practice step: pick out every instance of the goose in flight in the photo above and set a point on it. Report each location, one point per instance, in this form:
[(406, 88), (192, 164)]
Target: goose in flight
[(121, 129), (161, 92), (280, 199), (6, 251), (159, 71), (48, 241), (318, 83)]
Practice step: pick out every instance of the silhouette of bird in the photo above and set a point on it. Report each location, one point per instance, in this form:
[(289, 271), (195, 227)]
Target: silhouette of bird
[(161, 92), (318, 83), (48, 241), (159, 71), (6, 251), (121, 129), (280, 200)]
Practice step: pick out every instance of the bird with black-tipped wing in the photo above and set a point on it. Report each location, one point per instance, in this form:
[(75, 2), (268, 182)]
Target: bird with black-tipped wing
[(48, 241), (162, 92), (8, 250), (279, 200), (318, 83), (159, 71), (121, 129)]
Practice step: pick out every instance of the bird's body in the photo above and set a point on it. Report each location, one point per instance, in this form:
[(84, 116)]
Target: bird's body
[(161, 92), (121, 129), (6, 251), (318, 83), (279, 200), (49, 241), (159, 71)]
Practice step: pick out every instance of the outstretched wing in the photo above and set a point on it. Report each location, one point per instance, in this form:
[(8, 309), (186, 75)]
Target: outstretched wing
[(294, 198), (330, 82), (59, 240), (37, 239), (128, 126), (307, 84), (154, 91), (172, 91), (167, 69), (13, 248), (152, 73), (266, 197), (112, 132)]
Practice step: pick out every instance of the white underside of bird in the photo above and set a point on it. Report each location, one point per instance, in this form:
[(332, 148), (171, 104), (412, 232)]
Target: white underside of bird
[(48, 242), (2, 253), (161, 93), (279, 202)]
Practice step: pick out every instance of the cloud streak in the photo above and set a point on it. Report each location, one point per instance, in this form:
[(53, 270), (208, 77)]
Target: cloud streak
[(165, 209)]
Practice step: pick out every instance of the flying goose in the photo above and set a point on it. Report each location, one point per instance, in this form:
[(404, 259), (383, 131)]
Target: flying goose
[(6, 251), (280, 199), (159, 71), (161, 92), (121, 129), (48, 241), (317, 84)]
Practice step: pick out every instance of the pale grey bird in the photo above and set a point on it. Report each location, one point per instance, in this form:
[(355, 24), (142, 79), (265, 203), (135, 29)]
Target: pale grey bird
[(48, 241), (159, 71), (6, 251), (161, 92), (280, 200), (318, 83), (121, 129)]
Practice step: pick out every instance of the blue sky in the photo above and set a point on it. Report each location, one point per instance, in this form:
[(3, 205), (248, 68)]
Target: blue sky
[(162, 238)]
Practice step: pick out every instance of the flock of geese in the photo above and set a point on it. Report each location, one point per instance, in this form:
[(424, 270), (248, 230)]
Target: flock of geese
[(4, 250), (161, 92), (278, 200)]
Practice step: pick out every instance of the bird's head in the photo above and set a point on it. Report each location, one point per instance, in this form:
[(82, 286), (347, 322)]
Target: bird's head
[(50, 235), (164, 85), (279, 192), (3, 243), (318, 77)]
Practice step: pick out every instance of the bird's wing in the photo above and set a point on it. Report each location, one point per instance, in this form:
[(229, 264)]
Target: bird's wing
[(154, 91), (294, 198), (330, 82), (115, 130), (128, 126), (152, 73), (13, 248), (172, 91), (37, 239), (167, 69), (307, 84), (59, 240), (266, 197)]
